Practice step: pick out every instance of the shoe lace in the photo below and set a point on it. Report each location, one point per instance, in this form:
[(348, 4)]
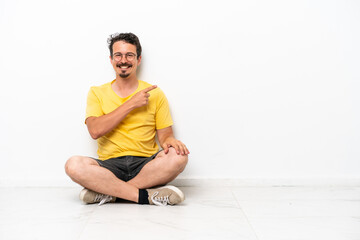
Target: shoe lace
[(102, 199), (160, 201)]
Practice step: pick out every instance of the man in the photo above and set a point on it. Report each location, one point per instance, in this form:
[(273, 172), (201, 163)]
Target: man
[(124, 116)]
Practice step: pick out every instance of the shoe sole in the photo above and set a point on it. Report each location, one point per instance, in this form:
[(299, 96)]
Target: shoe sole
[(176, 190)]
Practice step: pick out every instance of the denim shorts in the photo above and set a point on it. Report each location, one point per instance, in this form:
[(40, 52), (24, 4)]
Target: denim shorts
[(125, 167)]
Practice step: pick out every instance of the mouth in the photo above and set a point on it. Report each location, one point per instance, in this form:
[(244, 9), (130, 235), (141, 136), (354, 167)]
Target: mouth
[(124, 67)]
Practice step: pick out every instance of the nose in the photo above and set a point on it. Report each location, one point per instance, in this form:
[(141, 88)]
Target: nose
[(123, 59)]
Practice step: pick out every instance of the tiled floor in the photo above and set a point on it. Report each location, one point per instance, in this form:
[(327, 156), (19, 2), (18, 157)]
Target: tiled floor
[(272, 213)]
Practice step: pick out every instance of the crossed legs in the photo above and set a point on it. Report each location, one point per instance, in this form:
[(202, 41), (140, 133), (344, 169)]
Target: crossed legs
[(161, 170)]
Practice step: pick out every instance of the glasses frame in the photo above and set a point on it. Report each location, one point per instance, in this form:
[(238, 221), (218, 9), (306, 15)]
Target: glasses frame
[(119, 56)]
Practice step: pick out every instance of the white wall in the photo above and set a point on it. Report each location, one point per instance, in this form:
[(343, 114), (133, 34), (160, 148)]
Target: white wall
[(258, 89)]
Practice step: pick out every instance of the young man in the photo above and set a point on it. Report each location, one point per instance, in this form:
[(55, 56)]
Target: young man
[(124, 116)]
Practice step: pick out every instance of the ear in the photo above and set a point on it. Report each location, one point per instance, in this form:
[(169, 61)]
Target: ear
[(110, 59), (139, 60)]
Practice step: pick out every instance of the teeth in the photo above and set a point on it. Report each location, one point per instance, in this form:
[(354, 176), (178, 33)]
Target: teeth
[(124, 67)]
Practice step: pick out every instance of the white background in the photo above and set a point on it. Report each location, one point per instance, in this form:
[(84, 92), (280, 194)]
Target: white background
[(258, 89)]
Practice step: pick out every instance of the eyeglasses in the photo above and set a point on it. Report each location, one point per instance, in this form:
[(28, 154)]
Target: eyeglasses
[(129, 56)]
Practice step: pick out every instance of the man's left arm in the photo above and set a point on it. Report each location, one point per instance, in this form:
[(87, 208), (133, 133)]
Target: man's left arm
[(167, 140)]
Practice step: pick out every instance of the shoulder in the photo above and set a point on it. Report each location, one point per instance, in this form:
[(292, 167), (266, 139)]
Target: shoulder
[(101, 89)]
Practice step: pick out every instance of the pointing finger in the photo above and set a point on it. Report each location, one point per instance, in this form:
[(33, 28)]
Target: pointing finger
[(150, 88)]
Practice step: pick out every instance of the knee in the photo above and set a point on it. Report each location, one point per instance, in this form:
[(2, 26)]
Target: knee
[(73, 166), (177, 162)]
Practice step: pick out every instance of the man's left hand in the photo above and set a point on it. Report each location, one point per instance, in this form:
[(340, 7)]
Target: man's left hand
[(178, 145)]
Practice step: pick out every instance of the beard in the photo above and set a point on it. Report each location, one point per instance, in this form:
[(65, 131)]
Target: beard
[(124, 75)]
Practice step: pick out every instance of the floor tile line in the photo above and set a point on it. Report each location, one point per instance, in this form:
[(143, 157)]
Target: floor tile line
[(86, 223), (246, 217)]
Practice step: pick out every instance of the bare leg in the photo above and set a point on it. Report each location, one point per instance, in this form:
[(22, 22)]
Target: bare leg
[(87, 172), (163, 169)]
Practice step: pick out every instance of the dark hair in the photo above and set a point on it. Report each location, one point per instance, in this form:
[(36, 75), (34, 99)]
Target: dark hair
[(126, 37)]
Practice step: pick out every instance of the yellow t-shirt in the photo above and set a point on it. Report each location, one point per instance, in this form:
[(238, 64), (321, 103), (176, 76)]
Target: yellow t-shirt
[(135, 135)]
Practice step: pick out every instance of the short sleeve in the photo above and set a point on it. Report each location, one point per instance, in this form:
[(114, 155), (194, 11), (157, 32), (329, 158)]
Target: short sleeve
[(93, 106), (163, 117)]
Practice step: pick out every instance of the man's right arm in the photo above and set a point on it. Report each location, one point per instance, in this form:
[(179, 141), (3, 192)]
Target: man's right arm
[(100, 126)]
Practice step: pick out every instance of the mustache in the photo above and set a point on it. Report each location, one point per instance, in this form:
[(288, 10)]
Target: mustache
[(124, 64)]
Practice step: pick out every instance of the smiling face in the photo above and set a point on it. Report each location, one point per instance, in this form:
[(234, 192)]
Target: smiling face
[(123, 67)]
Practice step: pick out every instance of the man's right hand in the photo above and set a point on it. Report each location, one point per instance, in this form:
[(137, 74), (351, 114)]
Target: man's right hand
[(141, 98)]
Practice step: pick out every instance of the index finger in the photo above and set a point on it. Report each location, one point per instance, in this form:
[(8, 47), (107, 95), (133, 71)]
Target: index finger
[(150, 88)]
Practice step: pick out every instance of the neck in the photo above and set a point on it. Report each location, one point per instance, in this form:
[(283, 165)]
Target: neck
[(125, 86), (126, 83)]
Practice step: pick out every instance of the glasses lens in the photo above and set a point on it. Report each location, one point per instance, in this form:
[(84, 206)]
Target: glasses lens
[(130, 56), (117, 57)]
